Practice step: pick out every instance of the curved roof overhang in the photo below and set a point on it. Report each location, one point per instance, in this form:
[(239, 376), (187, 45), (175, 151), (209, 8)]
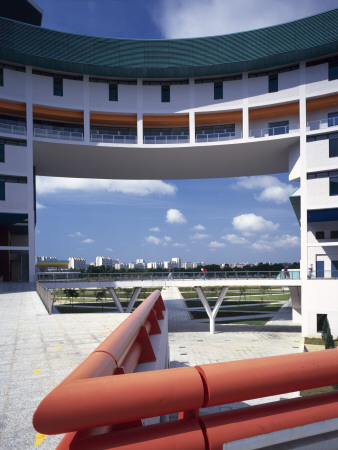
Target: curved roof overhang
[(308, 38)]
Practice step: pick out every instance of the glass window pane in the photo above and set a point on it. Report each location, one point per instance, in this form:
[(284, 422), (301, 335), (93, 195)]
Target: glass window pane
[(1, 76), (218, 90), (2, 152), (113, 92), (165, 93), (273, 83), (58, 86), (333, 70), (333, 119), (334, 186), (2, 190), (333, 148)]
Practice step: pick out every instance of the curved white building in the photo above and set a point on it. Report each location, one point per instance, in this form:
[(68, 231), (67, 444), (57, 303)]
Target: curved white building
[(251, 103)]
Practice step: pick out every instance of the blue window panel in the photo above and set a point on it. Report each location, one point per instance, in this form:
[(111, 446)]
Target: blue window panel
[(218, 90), (58, 86), (165, 93), (319, 269), (321, 318), (2, 190), (281, 127), (113, 92), (1, 76), (334, 269), (333, 148), (333, 70), (2, 152), (332, 119), (273, 83), (333, 185), (322, 215)]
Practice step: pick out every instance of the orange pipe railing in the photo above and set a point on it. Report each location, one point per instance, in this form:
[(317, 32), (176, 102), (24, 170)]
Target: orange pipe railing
[(89, 398)]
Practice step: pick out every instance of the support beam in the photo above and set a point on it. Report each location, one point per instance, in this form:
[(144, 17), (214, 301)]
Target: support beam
[(116, 299), (211, 313), (133, 299)]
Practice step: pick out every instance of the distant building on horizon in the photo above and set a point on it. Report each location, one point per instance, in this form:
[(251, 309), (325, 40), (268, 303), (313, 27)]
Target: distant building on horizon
[(77, 263)]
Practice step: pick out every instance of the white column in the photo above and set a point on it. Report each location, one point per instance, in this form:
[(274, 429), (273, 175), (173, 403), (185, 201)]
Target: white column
[(86, 110), (30, 174), (139, 112), (245, 94), (192, 110)]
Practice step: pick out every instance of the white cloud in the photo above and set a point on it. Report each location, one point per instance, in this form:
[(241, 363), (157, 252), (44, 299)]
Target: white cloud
[(167, 239), (153, 240), (155, 229), (250, 223), (177, 244), (109, 249), (76, 234), (51, 185), (88, 241), (198, 236), (191, 18), (40, 205), (235, 239), (175, 216), (199, 227), (269, 243), (270, 187), (213, 245)]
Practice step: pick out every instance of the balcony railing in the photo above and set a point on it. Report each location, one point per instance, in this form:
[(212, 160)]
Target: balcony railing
[(146, 276), (323, 274), (12, 129), (170, 139), (274, 131), (322, 123), (113, 139), (214, 137), (57, 134)]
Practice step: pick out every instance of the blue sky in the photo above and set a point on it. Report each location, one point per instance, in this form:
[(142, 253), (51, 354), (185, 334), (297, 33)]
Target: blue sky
[(217, 220)]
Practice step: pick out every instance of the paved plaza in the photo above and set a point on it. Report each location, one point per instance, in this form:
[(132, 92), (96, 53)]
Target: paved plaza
[(38, 351)]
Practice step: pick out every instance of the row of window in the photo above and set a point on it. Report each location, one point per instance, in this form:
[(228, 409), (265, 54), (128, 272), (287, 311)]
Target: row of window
[(332, 175), (332, 137), (321, 234)]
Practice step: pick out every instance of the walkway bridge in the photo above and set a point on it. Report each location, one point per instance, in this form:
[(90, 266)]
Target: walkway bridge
[(105, 402), (163, 280)]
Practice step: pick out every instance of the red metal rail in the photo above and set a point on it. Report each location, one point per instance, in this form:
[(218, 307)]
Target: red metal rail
[(89, 398)]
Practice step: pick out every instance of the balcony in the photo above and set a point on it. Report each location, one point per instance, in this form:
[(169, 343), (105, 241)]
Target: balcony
[(113, 139), (63, 135), (12, 129), (274, 131), (167, 139), (215, 137), (322, 123)]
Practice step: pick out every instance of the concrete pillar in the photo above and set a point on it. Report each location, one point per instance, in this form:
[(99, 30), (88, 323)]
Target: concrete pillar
[(86, 110), (245, 119), (139, 112)]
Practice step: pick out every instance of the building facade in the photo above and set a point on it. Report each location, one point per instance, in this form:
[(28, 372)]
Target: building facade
[(77, 263), (251, 103)]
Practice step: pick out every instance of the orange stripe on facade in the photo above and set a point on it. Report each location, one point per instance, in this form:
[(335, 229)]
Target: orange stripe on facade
[(18, 109), (269, 112), (218, 118), (126, 120), (174, 120), (329, 101), (61, 115)]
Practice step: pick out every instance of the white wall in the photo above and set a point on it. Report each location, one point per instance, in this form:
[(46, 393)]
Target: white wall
[(15, 198), (287, 89), (179, 99), (294, 162), (318, 156), (317, 81), (321, 226), (204, 96), (319, 194), (15, 161), (99, 98), (43, 93), (14, 85)]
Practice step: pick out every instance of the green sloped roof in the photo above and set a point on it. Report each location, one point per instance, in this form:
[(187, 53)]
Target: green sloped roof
[(312, 37)]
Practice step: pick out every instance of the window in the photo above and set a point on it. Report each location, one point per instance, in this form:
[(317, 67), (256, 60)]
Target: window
[(332, 119), (333, 70), (320, 235), (2, 190), (334, 234), (273, 83), (320, 322), (333, 148), (278, 127), (165, 93), (333, 185), (218, 90), (58, 86), (113, 92), (1, 76)]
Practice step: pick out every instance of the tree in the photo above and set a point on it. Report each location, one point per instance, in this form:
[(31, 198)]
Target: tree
[(242, 290), (71, 293), (326, 334), (100, 295), (82, 292)]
